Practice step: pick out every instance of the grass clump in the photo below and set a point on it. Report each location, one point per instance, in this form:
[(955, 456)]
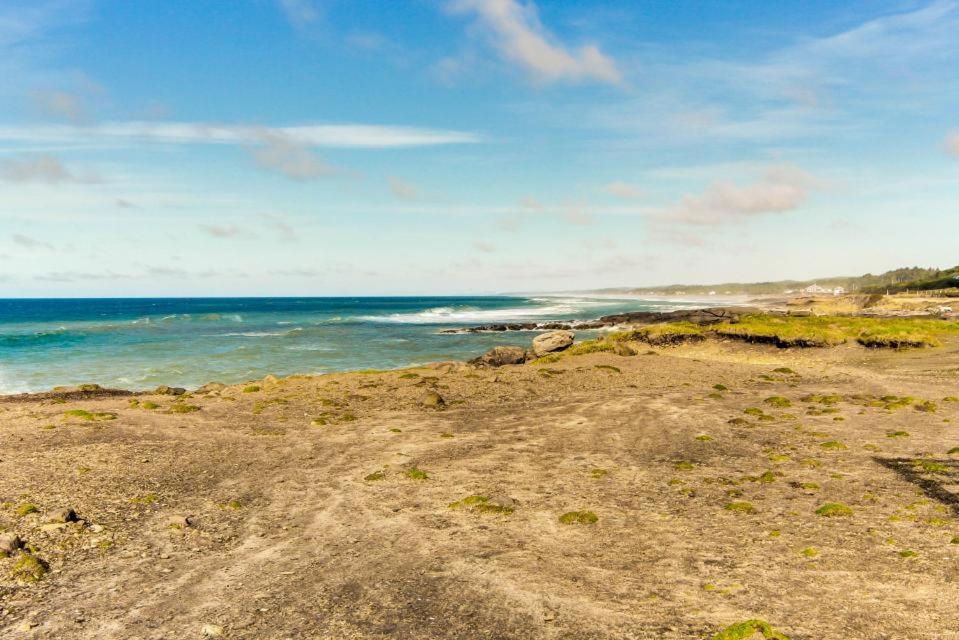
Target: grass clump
[(147, 498), (28, 568), (753, 411), (740, 507), (703, 437), (667, 334), (90, 416), (481, 504), (684, 465), (784, 370), (953, 452), (609, 367), (149, 404), (834, 510), (897, 434), (590, 346), (929, 466), (810, 552), (907, 553), (251, 388), (747, 629), (926, 406), (579, 517), (417, 474), (720, 387), (599, 473), (376, 476)]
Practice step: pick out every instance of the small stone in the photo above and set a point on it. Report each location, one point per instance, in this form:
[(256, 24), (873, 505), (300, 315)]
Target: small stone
[(63, 515), (53, 527), (96, 528), (180, 522), (433, 400), (10, 542), (164, 390), (212, 631)]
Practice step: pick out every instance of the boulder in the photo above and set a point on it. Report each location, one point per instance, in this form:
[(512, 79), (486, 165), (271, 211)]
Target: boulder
[(552, 341), (499, 356), (10, 542), (211, 387), (63, 515), (432, 400), (164, 390)]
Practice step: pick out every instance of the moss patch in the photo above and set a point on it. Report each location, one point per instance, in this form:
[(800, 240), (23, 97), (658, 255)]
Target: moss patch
[(579, 517), (740, 507), (28, 568), (747, 629), (481, 504), (834, 510)]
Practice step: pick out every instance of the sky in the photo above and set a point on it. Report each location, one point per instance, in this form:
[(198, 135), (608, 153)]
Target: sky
[(411, 147)]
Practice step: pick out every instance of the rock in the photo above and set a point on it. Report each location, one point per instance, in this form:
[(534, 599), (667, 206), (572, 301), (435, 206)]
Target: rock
[(211, 387), (10, 542), (499, 356), (164, 390), (433, 400), (179, 522), (270, 379), (212, 631), (623, 349), (53, 527), (552, 341), (63, 515)]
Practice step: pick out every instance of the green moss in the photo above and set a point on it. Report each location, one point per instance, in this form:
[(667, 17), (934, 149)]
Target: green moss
[(252, 388), (704, 437), (579, 517), (907, 553), (684, 465), (778, 401), (834, 510), (376, 476), (832, 444), (810, 552), (895, 402), (929, 466), (775, 533), (738, 421), (747, 629), (753, 411), (897, 434), (784, 370), (481, 504), (147, 498), (590, 346), (740, 507), (133, 403), (178, 407), (147, 404), (26, 508), (409, 376), (954, 451), (715, 396), (926, 406), (320, 421), (28, 568), (955, 540), (809, 486), (950, 399), (670, 333), (417, 474), (720, 387), (599, 473), (88, 415), (395, 430), (609, 367)]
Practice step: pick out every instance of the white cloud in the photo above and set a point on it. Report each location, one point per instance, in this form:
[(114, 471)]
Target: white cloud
[(781, 188), (402, 189), (40, 168), (29, 243), (519, 36), (952, 143), (622, 190), (220, 231), (314, 135), (299, 12), (292, 159)]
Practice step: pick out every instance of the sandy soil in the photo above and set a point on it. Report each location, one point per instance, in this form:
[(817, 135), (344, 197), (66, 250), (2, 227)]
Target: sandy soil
[(300, 529)]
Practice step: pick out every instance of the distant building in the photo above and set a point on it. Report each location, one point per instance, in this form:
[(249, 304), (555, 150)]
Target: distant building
[(838, 291), (815, 288)]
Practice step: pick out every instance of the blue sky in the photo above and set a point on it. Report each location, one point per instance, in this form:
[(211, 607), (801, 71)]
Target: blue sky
[(339, 147)]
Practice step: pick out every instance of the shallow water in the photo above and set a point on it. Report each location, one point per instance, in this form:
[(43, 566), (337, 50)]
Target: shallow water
[(141, 343)]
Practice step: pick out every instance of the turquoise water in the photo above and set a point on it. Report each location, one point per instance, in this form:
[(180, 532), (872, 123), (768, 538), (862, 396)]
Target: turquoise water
[(142, 343)]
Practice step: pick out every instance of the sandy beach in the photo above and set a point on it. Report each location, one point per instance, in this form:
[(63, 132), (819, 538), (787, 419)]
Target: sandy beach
[(667, 494)]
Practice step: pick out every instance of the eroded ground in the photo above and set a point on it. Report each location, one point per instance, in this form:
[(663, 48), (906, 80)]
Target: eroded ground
[(310, 516)]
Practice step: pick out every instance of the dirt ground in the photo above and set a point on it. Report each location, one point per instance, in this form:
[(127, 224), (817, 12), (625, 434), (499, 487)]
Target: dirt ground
[(309, 516)]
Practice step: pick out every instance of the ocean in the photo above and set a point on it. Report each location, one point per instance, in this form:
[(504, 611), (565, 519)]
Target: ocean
[(140, 343)]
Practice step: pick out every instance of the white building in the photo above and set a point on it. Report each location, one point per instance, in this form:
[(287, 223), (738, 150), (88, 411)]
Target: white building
[(815, 288)]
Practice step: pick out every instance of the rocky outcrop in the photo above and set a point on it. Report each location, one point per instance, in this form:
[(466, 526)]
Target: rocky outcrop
[(500, 356), (552, 341)]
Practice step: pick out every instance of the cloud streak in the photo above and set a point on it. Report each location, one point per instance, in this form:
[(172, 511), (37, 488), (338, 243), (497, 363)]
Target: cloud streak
[(516, 32), (310, 135), (952, 142), (43, 168)]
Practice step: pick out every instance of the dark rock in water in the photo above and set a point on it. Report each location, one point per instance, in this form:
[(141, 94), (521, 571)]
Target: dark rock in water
[(164, 390), (499, 356), (552, 341)]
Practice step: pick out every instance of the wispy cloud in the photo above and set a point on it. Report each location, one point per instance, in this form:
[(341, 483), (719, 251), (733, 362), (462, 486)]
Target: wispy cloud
[(519, 36), (622, 190), (300, 13), (484, 247), (952, 142), (41, 168), (781, 188), (402, 189), (29, 243), (313, 135), (220, 231), (280, 153)]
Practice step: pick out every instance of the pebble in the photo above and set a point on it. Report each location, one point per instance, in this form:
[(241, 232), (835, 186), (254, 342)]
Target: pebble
[(179, 521), (212, 631)]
